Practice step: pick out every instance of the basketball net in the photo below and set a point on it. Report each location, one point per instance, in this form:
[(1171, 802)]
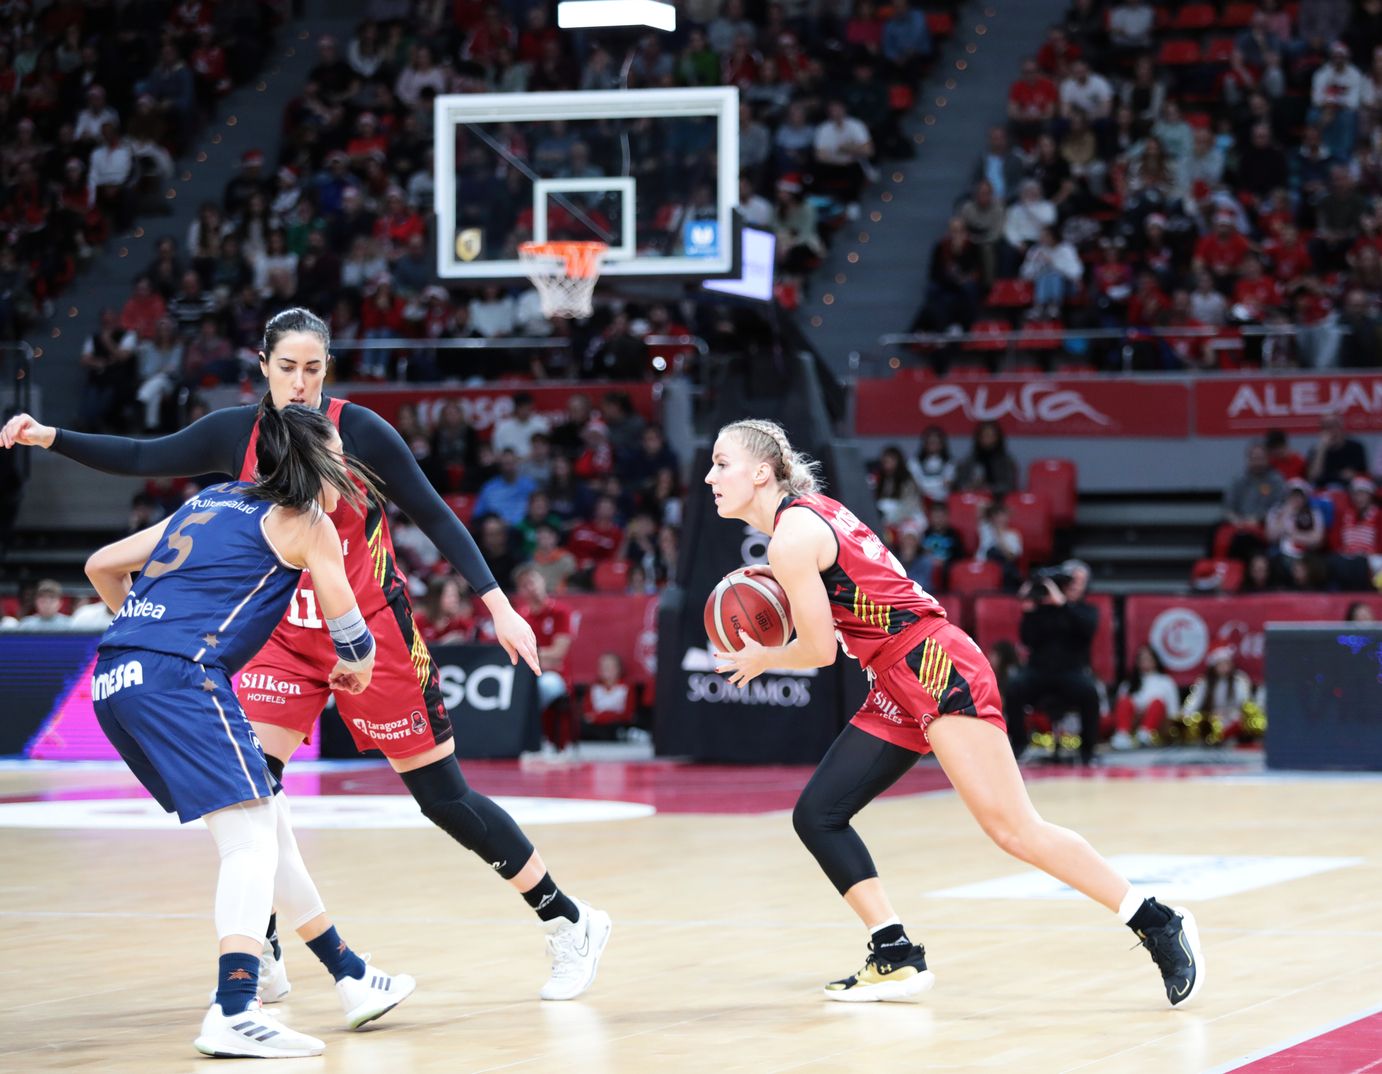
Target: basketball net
[(564, 274)]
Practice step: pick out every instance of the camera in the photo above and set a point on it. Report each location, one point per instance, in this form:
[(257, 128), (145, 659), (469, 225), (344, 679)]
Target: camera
[(1035, 587)]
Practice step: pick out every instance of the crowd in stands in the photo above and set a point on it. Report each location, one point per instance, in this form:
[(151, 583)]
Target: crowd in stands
[(341, 220), (1200, 166), (1294, 522), (97, 99)]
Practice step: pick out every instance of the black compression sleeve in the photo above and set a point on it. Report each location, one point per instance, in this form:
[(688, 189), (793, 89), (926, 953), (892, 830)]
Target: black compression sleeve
[(377, 444), (211, 445)]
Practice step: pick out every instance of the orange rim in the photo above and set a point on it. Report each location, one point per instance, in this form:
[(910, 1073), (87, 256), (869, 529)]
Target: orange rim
[(582, 258)]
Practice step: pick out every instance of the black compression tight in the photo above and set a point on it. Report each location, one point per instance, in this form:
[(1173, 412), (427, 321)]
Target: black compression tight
[(469, 817), (857, 768)]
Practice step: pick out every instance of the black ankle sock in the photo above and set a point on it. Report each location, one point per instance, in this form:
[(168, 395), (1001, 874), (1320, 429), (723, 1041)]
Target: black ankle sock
[(1150, 915), (549, 902), (892, 941), (271, 935)]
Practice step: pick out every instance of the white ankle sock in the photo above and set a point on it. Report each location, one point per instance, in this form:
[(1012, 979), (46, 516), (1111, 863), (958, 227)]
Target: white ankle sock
[(1132, 902)]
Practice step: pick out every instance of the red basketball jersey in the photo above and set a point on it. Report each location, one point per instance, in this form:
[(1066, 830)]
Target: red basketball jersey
[(872, 601), (365, 542)]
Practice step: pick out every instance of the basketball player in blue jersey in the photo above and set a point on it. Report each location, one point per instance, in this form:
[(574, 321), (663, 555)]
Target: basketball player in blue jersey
[(402, 713), (214, 579)]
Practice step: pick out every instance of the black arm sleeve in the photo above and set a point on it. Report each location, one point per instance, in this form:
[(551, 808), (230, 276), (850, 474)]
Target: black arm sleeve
[(377, 444), (214, 444)]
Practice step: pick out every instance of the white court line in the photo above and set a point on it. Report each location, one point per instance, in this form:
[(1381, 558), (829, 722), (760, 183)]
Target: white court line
[(1291, 1042)]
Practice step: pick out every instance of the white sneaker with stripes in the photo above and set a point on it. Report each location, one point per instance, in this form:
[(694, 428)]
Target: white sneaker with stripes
[(376, 993), (252, 1034)]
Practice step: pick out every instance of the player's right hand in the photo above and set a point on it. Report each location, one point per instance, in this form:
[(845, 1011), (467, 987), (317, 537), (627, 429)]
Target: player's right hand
[(23, 431), (349, 681)]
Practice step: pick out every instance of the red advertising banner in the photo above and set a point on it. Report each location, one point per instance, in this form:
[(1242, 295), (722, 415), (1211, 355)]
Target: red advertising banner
[(1237, 406), (998, 618), (1025, 406), (613, 623), (1183, 630), (484, 406)]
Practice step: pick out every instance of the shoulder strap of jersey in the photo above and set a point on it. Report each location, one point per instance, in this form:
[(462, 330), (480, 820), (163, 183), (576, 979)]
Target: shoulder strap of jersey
[(333, 410)]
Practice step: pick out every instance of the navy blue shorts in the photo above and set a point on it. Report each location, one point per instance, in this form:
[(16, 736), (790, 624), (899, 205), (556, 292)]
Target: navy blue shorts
[(181, 731)]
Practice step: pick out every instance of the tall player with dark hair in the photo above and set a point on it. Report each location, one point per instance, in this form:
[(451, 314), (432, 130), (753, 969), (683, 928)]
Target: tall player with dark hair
[(930, 691), (214, 579), (285, 687)]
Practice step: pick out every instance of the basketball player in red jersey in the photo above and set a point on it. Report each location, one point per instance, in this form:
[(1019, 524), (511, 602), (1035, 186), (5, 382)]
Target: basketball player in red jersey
[(930, 691), (284, 687)]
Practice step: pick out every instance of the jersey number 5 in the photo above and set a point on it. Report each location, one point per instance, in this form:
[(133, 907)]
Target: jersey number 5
[(180, 542)]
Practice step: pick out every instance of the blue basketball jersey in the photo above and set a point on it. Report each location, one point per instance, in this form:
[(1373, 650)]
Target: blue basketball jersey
[(213, 590)]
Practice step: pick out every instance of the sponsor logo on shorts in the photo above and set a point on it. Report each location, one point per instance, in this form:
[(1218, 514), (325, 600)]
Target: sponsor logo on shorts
[(268, 690), (388, 732), (887, 707), (419, 723), (130, 673), (136, 608)]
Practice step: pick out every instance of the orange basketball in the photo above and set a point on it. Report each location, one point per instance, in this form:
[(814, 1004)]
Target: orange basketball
[(753, 603)]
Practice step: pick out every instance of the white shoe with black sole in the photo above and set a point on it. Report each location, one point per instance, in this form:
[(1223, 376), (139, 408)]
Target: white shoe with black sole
[(252, 1034)]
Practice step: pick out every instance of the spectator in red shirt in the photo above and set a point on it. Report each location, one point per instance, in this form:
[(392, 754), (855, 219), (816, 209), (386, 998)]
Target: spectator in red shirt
[(552, 624), (143, 309), (1221, 251), (1357, 538), (611, 700), (448, 616), (598, 539), (1289, 464), (1149, 304), (1289, 253), (399, 223), (1255, 291), (1032, 102), (368, 139), (1057, 53)]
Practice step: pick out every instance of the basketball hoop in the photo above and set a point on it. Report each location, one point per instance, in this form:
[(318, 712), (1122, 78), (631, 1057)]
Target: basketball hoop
[(564, 274)]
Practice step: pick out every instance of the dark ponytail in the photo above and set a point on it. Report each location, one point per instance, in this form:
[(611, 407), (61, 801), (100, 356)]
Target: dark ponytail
[(295, 460), (294, 319)]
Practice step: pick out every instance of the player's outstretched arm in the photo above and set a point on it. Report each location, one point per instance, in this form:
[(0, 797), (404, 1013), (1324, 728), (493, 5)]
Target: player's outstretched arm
[(377, 444), (111, 568), (208, 445)]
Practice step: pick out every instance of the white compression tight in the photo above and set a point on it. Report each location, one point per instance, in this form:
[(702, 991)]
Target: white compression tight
[(261, 868)]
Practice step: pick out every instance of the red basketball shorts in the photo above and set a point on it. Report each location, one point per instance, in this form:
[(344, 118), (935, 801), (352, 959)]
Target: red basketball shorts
[(947, 674), (400, 713)]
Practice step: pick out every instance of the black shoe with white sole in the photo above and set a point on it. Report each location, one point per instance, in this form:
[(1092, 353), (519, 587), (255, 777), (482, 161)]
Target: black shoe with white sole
[(1175, 948)]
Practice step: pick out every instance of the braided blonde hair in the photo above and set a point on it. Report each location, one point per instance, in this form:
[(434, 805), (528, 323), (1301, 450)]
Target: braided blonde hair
[(767, 440)]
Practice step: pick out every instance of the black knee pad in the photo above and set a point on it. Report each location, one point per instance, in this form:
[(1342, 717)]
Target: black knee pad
[(469, 817)]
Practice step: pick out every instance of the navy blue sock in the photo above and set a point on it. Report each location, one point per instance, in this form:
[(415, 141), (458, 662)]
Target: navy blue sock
[(339, 960), (237, 980)]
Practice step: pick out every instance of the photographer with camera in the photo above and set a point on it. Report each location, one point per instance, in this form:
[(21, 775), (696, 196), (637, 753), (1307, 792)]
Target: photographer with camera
[(1057, 628)]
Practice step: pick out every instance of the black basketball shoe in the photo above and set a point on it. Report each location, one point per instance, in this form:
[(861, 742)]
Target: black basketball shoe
[(1175, 948)]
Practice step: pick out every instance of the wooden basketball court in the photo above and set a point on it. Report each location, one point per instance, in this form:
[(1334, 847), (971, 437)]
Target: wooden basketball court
[(724, 930)]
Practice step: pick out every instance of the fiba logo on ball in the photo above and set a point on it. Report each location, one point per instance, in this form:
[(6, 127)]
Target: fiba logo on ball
[(1179, 636)]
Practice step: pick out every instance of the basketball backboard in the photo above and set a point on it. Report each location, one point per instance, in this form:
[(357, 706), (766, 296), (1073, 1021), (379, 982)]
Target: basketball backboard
[(653, 173)]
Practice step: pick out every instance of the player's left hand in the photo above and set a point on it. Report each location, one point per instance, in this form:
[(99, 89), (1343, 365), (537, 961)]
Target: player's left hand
[(512, 631), (745, 665)]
